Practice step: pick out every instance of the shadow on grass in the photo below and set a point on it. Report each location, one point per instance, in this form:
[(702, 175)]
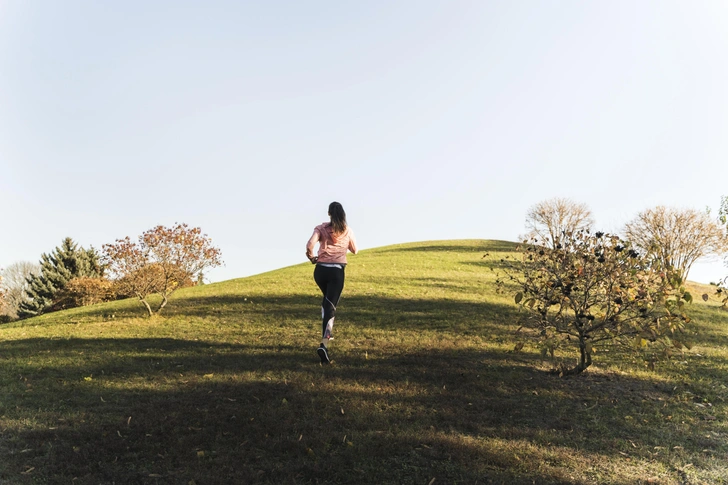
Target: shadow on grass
[(449, 315), (493, 264), (453, 286), (710, 338), (171, 411), (714, 332)]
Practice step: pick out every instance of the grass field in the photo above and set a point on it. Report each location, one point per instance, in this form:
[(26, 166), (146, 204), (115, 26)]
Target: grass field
[(225, 387)]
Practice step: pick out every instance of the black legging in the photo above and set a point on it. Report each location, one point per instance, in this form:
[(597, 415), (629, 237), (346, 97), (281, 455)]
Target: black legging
[(331, 282)]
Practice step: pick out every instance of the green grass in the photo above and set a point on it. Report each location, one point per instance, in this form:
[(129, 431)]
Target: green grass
[(225, 387)]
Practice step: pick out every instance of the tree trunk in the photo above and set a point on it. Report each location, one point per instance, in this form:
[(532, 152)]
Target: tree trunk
[(164, 302), (584, 361), (149, 309)]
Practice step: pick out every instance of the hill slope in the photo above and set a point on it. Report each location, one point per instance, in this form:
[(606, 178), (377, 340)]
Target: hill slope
[(225, 387)]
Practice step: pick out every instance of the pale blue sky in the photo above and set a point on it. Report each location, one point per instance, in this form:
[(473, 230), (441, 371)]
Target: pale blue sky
[(427, 120)]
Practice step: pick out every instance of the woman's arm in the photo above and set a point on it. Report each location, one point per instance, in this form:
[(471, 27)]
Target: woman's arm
[(352, 242), (312, 243)]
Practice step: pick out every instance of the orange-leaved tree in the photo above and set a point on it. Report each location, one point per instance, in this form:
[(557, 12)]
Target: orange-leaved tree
[(83, 291), (162, 260)]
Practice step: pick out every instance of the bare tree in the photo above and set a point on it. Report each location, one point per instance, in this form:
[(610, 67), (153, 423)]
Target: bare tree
[(550, 220), (676, 238), (15, 283)]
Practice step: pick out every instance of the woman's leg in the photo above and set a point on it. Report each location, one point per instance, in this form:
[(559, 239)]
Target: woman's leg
[(331, 283)]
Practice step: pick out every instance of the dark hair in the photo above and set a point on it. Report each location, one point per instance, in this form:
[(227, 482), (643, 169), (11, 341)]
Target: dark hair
[(338, 217)]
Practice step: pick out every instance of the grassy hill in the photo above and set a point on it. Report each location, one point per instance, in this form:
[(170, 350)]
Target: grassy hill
[(226, 387)]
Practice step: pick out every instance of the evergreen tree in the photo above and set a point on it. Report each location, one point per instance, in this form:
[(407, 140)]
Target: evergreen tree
[(66, 262)]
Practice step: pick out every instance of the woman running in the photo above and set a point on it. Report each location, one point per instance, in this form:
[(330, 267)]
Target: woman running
[(335, 238)]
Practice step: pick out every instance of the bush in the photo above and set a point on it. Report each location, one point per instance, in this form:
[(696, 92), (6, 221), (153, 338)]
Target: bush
[(593, 291), (85, 291)]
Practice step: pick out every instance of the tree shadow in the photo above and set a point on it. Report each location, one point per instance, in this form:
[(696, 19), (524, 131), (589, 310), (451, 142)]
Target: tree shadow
[(171, 411), (375, 311), (493, 264), (452, 286)]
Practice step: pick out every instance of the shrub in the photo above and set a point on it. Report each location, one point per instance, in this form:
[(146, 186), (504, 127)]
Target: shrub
[(594, 290), (85, 291)]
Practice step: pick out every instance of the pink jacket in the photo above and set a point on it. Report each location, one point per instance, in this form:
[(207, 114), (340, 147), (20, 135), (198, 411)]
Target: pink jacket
[(332, 248)]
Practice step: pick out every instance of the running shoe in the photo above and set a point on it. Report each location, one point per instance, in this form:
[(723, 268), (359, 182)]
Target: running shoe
[(323, 354)]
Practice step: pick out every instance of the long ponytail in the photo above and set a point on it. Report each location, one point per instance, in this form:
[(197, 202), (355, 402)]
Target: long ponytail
[(338, 217)]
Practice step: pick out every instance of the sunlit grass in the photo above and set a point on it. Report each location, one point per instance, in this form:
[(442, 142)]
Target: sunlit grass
[(225, 387)]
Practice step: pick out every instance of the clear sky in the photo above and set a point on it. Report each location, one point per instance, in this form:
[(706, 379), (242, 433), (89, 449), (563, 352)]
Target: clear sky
[(425, 119)]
